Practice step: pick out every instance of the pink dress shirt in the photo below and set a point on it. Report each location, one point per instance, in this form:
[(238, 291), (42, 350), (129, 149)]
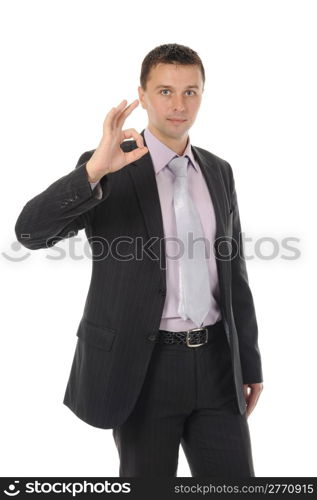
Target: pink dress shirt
[(161, 155)]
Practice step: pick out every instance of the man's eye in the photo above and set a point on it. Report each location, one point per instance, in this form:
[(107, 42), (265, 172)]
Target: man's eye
[(167, 90)]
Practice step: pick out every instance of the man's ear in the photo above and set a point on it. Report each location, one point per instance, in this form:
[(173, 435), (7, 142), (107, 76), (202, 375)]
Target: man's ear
[(141, 96)]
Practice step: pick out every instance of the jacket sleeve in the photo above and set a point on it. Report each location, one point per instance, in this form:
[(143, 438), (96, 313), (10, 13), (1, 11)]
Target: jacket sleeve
[(242, 301), (60, 211)]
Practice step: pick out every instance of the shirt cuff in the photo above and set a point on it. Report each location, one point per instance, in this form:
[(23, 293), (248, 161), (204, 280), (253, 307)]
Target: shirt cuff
[(98, 190)]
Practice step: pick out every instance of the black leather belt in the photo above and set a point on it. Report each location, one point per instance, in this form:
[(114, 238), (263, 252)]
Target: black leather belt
[(192, 338)]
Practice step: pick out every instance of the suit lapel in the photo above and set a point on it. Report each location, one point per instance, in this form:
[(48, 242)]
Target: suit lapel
[(143, 176), (210, 171)]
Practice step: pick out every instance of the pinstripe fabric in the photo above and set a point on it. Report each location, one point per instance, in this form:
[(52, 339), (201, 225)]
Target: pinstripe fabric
[(188, 398), (125, 300)]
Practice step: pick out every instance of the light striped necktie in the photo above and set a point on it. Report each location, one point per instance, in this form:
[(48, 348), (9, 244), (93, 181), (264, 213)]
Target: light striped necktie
[(194, 285)]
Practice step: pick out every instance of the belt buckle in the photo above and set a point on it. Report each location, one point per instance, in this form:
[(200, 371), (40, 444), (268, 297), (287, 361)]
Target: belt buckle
[(195, 330)]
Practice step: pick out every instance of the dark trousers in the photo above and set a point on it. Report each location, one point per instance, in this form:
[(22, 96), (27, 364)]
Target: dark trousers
[(187, 398)]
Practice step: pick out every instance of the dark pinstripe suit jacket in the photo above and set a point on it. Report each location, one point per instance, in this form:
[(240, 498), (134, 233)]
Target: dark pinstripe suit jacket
[(124, 304)]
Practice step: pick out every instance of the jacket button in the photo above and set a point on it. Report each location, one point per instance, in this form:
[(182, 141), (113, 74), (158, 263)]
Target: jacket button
[(162, 291), (152, 337)]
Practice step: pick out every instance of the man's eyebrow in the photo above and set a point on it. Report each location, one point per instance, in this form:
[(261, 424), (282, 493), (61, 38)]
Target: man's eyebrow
[(170, 86)]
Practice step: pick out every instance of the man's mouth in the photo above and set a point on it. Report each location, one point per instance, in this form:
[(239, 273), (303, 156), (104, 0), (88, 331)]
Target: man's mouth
[(176, 120)]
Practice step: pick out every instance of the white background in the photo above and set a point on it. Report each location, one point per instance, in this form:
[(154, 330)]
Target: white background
[(64, 65)]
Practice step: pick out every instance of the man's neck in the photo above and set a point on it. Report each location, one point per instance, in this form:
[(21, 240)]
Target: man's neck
[(177, 145)]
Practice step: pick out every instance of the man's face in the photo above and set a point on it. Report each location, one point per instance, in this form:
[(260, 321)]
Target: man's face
[(174, 91)]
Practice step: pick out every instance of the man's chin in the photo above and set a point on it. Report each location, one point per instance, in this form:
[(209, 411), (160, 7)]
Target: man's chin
[(177, 132)]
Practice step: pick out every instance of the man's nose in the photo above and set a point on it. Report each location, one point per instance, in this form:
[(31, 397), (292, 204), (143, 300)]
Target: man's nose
[(178, 103)]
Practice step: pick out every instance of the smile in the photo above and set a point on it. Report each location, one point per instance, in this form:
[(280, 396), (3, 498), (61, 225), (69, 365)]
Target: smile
[(176, 121)]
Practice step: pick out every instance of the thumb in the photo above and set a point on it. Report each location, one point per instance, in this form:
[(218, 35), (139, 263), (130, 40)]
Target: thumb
[(136, 154), (245, 391)]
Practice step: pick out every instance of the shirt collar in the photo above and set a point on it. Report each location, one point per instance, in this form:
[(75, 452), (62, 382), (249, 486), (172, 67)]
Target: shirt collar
[(161, 154)]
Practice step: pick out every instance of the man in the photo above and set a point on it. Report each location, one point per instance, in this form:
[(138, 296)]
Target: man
[(167, 349)]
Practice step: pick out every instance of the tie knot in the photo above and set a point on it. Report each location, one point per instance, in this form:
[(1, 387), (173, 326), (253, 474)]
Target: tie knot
[(178, 166)]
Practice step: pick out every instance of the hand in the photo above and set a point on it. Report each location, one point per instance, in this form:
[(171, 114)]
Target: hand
[(252, 395), (109, 157)]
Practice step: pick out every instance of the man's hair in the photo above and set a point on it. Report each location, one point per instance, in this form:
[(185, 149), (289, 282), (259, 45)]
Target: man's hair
[(171, 53)]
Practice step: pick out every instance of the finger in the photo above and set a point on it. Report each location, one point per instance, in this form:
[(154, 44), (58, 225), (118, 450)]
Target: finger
[(252, 401), (132, 133), (136, 154), (245, 391), (120, 118), (124, 114), (109, 122)]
